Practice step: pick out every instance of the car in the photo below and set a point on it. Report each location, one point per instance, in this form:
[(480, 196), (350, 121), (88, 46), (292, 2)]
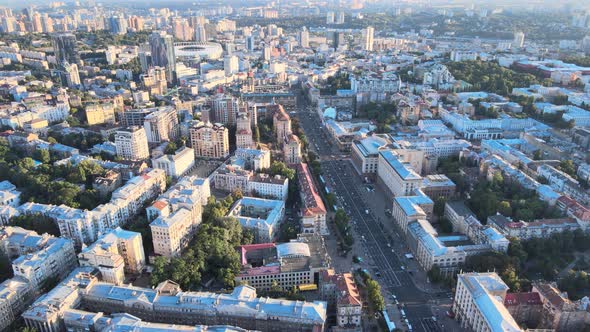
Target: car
[(403, 268), (389, 245)]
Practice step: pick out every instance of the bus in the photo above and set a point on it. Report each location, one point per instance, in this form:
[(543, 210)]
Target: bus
[(390, 324), (307, 287)]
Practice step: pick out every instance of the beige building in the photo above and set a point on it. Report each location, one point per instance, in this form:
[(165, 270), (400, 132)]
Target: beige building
[(244, 132), (210, 140), (282, 124), (292, 149), (116, 252), (176, 214), (177, 164), (131, 143), (479, 303), (343, 298), (161, 125), (100, 113)]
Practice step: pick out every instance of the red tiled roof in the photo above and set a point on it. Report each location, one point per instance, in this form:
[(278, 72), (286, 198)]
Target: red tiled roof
[(312, 202), (530, 298)]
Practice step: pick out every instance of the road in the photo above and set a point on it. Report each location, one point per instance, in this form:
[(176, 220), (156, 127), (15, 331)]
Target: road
[(382, 250)]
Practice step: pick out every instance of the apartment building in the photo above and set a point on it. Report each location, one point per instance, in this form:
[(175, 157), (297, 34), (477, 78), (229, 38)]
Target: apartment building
[(83, 226), (438, 186), (168, 304), (343, 297), (17, 241), (79, 320), (254, 159), (131, 143), (261, 216), (313, 211), (244, 138), (115, 253), (209, 140), (100, 113), (55, 260), (176, 214), (267, 186), (365, 154), (291, 264), (161, 125), (177, 164), (232, 177), (399, 178), (15, 296), (292, 150), (541, 228), (8, 194), (282, 124), (479, 303)]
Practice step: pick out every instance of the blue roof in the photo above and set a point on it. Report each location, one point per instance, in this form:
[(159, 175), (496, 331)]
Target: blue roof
[(404, 171)]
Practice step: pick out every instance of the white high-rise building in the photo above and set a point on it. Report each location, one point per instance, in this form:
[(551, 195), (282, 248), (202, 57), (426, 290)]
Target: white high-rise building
[(161, 125), (231, 65), (368, 35), (304, 38), (518, 39), (330, 18), (200, 33), (131, 143), (267, 53)]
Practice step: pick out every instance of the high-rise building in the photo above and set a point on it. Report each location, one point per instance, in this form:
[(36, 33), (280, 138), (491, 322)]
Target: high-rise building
[(8, 24), (368, 35), (162, 47), (47, 23), (118, 25), (266, 53), (282, 124), (145, 59), (231, 65), (131, 143), (330, 18), (200, 33), (65, 48), (250, 43), (244, 132), (182, 30), (36, 23), (340, 18), (70, 75), (225, 109), (136, 23), (292, 149), (210, 140), (115, 253), (519, 39), (161, 125), (304, 38)]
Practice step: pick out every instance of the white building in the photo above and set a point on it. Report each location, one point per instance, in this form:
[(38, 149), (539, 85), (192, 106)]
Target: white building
[(368, 38), (262, 216), (176, 214), (479, 303), (254, 159), (178, 164), (398, 177), (8, 194), (264, 185), (55, 260), (132, 143)]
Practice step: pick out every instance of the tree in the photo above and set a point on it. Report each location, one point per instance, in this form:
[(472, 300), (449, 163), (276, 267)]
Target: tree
[(504, 208), (374, 294), (42, 155), (439, 206), (568, 167)]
